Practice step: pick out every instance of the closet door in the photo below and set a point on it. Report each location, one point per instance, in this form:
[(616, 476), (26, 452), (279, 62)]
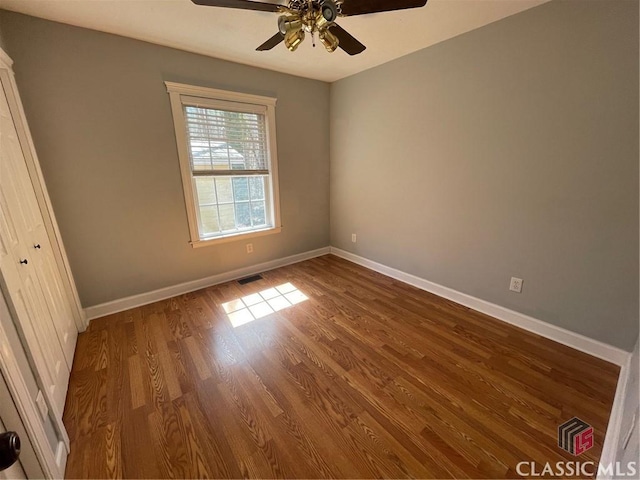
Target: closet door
[(53, 290), (20, 222)]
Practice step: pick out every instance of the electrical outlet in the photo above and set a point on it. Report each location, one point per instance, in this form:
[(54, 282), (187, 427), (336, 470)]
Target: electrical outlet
[(516, 284), (353, 238), (249, 247)]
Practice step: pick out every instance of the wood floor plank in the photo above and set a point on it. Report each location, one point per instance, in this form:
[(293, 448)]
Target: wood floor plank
[(138, 454), (215, 449), (136, 383), (336, 372)]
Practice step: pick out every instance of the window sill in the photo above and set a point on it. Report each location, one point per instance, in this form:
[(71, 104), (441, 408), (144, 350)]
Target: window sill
[(235, 237)]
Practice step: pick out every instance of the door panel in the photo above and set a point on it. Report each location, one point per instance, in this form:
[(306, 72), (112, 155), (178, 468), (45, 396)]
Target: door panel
[(9, 239), (57, 368), (59, 308), (55, 298)]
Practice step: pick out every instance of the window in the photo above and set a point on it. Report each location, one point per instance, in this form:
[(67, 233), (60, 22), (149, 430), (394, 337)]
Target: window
[(227, 151)]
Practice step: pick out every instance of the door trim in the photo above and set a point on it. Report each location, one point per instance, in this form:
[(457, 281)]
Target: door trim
[(40, 188)]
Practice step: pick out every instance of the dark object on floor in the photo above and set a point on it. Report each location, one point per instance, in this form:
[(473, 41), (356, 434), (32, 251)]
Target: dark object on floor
[(253, 278)]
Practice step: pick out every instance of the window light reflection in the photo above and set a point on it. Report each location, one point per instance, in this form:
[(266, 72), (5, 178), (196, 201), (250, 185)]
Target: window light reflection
[(257, 305)]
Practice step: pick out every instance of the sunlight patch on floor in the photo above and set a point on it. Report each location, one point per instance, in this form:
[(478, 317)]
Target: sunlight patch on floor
[(257, 305)]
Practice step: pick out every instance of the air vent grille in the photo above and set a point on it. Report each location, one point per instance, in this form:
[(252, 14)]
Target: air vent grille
[(253, 278)]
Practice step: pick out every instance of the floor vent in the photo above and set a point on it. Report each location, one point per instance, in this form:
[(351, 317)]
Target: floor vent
[(253, 278)]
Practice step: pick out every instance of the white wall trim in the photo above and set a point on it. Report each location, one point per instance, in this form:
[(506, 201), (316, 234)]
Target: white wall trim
[(566, 337), (574, 340), (608, 455), (207, 92), (168, 292)]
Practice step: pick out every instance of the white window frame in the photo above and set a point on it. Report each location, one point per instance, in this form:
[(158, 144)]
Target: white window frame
[(180, 95)]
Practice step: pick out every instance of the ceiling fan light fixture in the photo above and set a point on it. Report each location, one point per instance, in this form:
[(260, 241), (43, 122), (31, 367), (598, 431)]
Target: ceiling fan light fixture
[(315, 16), (289, 23), (329, 40), (293, 39), (327, 14)]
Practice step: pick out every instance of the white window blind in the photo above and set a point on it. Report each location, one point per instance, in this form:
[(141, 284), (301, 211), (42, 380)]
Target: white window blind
[(226, 140)]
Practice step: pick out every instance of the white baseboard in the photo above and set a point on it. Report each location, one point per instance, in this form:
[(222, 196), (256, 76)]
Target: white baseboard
[(122, 304), (574, 340), (609, 449)]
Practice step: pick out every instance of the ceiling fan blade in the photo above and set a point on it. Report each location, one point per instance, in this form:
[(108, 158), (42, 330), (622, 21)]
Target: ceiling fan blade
[(242, 4), (347, 42), (272, 42), (361, 7)]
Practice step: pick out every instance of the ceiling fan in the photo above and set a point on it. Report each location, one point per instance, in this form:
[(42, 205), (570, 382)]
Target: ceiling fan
[(316, 16)]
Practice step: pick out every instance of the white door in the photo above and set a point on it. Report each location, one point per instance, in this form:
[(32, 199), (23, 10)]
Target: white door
[(22, 265), (56, 298), (27, 465)]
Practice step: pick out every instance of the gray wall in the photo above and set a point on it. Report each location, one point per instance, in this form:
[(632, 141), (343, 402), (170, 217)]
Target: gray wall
[(101, 123), (511, 150)]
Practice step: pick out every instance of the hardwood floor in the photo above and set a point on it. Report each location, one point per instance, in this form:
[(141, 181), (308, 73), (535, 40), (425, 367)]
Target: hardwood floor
[(362, 377)]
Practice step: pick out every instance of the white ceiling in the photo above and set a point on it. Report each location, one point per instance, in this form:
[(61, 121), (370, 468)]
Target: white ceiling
[(234, 34)]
